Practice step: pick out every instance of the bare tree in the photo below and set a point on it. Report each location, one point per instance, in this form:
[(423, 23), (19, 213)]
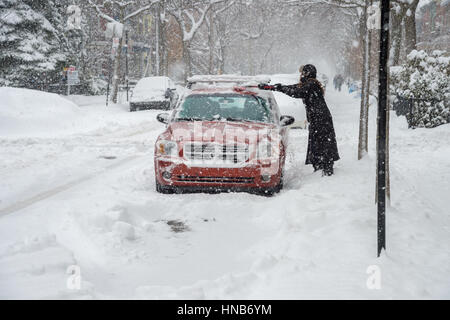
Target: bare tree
[(215, 34), (190, 16), (137, 7), (403, 26), (363, 141)]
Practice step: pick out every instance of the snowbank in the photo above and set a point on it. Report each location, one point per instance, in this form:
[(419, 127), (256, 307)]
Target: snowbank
[(25, 112), (316, 239)]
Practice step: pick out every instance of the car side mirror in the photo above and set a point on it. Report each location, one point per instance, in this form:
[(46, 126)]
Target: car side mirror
[(286, 120), (163, 118), (167, 94)]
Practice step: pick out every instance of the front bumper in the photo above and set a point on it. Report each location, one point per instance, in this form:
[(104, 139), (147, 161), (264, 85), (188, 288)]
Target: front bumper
[(192, 179)]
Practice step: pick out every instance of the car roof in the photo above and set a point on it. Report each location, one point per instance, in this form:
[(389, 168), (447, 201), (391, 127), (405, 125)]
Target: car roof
[(153, 82), (230, 90)]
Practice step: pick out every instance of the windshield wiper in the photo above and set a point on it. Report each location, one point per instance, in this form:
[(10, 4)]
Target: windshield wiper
[(238, 120), (189, 119)]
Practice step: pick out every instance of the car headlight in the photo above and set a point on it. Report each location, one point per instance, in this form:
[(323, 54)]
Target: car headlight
[(167, 148), (265, 150)]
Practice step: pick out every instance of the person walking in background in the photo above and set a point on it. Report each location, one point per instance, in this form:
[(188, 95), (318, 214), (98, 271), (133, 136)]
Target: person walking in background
[(338, 82), (322, 146)]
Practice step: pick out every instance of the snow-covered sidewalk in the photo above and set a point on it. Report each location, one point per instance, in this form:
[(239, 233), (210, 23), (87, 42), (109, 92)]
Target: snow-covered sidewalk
[(86, 197)]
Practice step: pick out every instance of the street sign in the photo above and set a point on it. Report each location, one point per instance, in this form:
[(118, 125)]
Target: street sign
[(72, 77), (116, 42)]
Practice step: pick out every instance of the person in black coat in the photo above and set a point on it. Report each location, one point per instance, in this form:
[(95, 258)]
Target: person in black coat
[(322, 146)]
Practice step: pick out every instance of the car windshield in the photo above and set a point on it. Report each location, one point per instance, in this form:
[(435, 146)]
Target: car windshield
[(231, 107)]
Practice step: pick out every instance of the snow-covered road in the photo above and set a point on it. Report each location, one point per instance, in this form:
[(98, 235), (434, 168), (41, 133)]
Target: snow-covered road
[(87, 198)]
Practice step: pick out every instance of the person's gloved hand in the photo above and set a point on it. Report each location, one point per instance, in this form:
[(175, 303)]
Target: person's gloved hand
[(265, 86)]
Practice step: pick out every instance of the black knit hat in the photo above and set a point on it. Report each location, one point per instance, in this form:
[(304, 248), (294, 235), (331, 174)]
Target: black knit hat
[(309, 71)]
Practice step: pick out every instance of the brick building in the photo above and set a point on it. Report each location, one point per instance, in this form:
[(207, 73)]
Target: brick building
[(433, 25)]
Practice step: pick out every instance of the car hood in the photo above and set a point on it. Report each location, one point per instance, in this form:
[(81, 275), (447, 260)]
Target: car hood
[(223, 132)]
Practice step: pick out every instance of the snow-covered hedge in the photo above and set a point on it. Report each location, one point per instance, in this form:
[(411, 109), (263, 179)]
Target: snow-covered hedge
[(424, 79)]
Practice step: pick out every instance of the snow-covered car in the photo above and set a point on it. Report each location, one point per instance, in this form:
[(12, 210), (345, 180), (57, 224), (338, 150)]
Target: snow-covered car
[(153, 93), (222, 139)]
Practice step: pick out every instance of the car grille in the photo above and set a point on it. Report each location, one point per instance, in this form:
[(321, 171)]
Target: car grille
[(235, 180), (212, 153)]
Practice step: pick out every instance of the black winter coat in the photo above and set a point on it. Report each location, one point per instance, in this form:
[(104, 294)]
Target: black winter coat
[(322, 146)]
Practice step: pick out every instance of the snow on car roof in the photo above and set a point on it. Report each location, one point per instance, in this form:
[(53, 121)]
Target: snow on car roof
[(226, 80), (229, 90), (153, 83)]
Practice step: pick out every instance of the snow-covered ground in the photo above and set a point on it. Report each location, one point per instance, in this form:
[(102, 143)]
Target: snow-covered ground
[(77, 189)]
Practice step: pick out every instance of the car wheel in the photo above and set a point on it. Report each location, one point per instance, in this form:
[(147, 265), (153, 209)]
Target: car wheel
[(164, 189), (270, 192), (281, 184), (132, 108)]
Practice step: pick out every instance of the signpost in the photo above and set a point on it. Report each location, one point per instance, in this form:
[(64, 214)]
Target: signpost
[(126, 63), (72, 78), (114, 47)]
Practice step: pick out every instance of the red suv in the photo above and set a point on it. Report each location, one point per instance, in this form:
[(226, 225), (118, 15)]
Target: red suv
[(222, 140)]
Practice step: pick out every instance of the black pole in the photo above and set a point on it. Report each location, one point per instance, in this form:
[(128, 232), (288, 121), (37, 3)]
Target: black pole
[(126, 63), (109, 81), (382, 124)]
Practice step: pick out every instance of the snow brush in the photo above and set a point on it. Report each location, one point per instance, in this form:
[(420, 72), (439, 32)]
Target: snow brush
[(263, 87)]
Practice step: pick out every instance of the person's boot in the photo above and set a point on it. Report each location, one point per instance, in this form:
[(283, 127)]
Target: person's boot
[(317, 167), (328, 171)]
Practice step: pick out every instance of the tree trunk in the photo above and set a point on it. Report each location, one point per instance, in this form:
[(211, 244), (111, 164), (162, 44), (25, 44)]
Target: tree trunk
[(187, 60), (164, 53), (250, 58), (116, 74), (396, 37), (365, 90), (211, 43), (147, 62), (221, 60), (410, 27), (158, 41)]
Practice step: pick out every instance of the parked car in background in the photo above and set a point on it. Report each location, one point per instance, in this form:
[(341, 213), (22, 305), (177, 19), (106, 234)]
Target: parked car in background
[(222, 139), (153, 93)]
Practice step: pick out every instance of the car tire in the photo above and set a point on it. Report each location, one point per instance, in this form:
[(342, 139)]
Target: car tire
[(132, 108), (270, 192), (164, 189)]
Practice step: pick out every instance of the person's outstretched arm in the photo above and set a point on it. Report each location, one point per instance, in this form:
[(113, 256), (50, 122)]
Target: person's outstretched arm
[(293, 91)]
